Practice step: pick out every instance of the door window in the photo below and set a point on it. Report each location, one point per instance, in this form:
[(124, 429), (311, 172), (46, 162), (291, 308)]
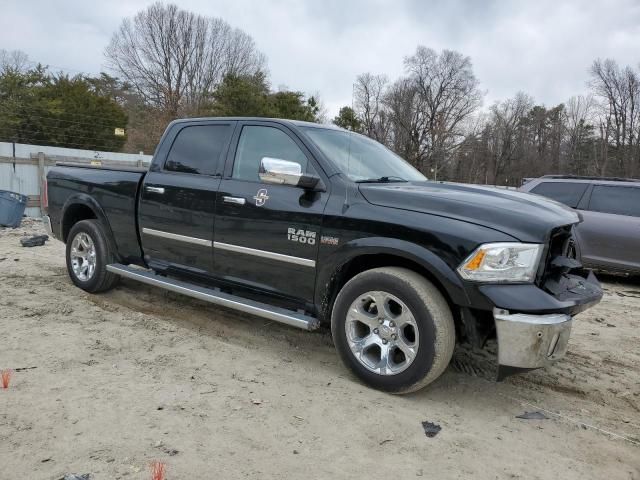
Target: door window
[(197, 149), (564, 192), (616, 200), (257, 142)]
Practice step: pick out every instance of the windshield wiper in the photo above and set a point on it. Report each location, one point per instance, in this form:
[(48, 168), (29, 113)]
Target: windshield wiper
[(385, 179)]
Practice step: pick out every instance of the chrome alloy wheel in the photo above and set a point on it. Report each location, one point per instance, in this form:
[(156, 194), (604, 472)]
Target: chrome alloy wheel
[(83, 257), (382, 333)]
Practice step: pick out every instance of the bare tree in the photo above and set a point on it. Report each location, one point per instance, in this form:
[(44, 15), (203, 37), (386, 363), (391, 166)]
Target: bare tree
[(174, 58), (580, 112), (469, 162), (447, 94), (504, 122), (404, 137), (14, 61), (421, 116), (430, 117), (620, 89), (369, 91)]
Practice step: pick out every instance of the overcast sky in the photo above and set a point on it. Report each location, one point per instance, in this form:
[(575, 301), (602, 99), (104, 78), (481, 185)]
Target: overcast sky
[(541, 47)]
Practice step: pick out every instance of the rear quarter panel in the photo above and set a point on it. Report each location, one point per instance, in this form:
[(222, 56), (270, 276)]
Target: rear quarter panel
[(111, 194)]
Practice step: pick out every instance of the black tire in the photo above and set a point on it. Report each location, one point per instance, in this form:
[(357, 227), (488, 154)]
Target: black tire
[(101, 280), (428, 308)]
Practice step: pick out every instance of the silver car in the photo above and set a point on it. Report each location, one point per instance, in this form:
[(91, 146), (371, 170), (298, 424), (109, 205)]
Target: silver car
[(609, 237)]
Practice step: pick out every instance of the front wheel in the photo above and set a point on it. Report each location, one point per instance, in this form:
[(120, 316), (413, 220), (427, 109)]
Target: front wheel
[(88, 254), (393, 329)]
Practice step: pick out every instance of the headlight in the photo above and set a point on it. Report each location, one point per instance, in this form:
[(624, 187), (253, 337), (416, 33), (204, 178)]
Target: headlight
[(502, 262)]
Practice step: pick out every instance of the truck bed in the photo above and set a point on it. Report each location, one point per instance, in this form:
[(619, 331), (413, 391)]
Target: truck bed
[(110, 192)]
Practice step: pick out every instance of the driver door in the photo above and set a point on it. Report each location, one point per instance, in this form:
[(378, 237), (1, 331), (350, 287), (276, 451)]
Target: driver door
[(266, 236)]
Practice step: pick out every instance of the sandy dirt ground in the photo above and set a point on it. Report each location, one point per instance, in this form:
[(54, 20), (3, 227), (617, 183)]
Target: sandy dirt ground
[(116, 380)]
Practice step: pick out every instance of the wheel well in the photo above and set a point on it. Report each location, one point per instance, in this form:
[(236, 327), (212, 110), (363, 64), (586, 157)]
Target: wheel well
[(366, 262), (73, 215)]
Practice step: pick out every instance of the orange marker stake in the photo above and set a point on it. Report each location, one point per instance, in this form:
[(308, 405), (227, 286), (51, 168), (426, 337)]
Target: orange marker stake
[(6, 377), (157, 470)]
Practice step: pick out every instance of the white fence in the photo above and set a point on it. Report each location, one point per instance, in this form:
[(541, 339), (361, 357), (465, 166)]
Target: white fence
[(23, 167)]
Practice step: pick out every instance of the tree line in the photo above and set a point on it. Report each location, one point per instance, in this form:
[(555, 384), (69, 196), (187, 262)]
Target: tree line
[(166, 63), (39, 107), (433, 117)]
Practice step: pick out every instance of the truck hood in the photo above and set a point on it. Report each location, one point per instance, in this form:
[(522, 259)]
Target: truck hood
[(527, 217)]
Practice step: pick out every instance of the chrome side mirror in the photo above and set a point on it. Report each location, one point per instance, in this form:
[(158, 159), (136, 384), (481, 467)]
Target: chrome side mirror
[(285, 172)]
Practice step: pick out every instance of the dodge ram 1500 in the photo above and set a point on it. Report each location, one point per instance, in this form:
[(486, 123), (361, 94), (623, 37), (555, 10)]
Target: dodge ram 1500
[(310, 224)]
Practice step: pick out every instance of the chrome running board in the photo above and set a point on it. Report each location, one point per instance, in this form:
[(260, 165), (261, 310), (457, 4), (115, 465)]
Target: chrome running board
[(215, 296)]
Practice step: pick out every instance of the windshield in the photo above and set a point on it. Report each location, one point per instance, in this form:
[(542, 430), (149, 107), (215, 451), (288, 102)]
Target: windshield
[(361, 158)]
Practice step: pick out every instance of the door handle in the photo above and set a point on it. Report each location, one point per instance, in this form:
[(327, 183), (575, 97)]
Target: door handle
[(234, 200), (154, 189)]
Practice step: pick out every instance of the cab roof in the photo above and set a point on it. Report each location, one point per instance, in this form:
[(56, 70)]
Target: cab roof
[(283, 121)]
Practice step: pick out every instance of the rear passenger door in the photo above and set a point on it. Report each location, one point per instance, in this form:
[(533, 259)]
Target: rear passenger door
[(609, 236), (178, 198)]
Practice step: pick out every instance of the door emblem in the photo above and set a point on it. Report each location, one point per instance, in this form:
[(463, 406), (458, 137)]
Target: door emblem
[(301, 235), (261, 197)]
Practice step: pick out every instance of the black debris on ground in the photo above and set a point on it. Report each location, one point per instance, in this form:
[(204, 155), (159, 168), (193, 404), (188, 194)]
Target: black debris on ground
[(629, 293), (34, 241), (431, 429), (169, 451), (532, 416), (76, 476)]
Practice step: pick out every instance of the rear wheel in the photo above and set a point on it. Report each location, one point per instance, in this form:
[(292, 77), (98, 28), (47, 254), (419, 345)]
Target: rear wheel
[(393, 329), (88, 254)]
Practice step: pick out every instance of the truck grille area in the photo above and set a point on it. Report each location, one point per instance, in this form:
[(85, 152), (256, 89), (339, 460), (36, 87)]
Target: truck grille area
[(560, 255), (562, 274)]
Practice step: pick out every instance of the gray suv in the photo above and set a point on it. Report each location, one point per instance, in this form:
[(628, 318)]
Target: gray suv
[(609, 237)]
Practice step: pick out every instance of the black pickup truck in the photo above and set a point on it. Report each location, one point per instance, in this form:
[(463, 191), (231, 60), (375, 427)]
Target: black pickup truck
[(309, 224)]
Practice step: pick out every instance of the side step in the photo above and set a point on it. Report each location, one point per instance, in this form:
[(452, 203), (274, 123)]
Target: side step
[(217, 297)]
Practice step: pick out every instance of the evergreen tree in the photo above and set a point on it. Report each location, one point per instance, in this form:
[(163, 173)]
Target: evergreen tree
[(348, 120), (40, 108)]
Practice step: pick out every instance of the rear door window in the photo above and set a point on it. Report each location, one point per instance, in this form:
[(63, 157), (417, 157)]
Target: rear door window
[(564, 192), (616, 200), (197, 149)]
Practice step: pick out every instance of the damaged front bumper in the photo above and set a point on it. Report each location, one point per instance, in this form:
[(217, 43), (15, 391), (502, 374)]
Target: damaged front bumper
[(533, 323), (526, 342)]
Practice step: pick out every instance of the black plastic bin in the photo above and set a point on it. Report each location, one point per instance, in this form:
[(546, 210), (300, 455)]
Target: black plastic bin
[(12, 207)]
